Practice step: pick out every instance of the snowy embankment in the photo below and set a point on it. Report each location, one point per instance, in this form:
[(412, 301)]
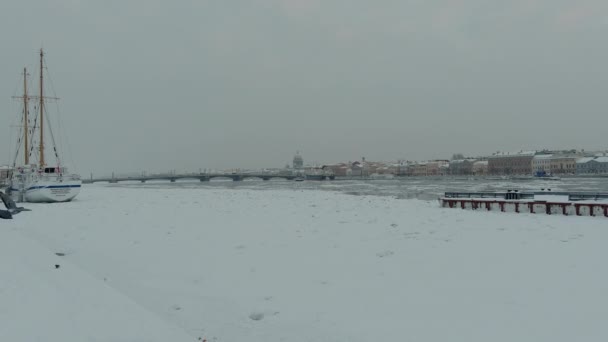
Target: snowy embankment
[(246, 265), (46, 299)]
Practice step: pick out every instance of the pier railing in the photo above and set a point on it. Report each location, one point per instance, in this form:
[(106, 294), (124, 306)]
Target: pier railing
[(579, 203), (501, 195), (516, 195), (587, 196)]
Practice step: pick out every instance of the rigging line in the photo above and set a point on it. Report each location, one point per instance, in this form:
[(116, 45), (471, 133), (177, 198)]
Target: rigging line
[(10, 136), (17, 86), (48, 122), (51, 87), (12, 124), (49, 79), (34, 141), (63, 136), (30, 134), (59, 125), (61, 131), (16, 155)]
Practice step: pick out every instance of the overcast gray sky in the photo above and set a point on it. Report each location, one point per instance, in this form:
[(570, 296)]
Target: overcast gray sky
[(160, 85)]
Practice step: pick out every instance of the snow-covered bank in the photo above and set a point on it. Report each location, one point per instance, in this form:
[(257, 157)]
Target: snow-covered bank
[(247, 265), (45, 298)]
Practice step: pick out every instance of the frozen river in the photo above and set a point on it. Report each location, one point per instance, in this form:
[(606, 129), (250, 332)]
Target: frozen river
[(272, 261), (410, 187)]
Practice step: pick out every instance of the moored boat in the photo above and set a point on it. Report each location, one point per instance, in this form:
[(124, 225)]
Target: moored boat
[(37, 180)]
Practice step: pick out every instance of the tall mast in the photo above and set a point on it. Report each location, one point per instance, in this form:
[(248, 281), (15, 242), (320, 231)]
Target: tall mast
[(25, 111), (41, 113)]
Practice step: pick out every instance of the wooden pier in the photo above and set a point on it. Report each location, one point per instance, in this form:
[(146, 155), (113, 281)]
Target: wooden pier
[(550, 203)]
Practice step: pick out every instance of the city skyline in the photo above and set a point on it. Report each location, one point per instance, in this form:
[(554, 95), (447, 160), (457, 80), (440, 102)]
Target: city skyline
[(456, 157)]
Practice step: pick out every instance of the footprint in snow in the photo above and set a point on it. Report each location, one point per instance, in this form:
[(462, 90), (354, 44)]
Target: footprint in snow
[(384, 254), (256, 316)]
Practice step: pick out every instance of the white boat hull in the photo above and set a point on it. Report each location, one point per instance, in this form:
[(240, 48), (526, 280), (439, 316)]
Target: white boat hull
[(46, 189), (52, 191)]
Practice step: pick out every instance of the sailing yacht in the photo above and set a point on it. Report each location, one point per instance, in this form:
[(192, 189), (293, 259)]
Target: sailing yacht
[(39, 181)]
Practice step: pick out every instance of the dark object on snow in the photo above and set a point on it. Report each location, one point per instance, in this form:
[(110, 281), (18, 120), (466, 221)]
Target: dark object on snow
[(56, 266), (11, 206), (5, 214)]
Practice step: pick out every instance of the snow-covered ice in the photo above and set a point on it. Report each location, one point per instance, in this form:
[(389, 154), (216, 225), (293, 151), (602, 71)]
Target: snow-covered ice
[(146, 264), (44, 298)]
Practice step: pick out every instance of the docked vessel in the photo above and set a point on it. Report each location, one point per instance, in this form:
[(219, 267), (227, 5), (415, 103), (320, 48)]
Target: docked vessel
[(36, 180), (545, 176)]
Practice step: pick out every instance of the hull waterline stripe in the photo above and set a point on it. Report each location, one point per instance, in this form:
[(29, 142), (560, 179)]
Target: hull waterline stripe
[(53, 187)]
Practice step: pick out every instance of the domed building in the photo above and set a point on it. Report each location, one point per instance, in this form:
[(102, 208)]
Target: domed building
[(298, 162)]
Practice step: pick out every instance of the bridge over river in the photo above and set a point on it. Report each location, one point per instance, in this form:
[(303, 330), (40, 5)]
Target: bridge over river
[(203, 177)]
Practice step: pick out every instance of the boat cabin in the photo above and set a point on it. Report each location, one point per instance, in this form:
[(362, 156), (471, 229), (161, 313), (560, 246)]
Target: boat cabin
[(54, 170)]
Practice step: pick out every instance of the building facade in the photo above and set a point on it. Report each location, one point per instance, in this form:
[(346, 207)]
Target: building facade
[(519, 163), (298, 161), (541, 164), (480, 168), (437, 167), (562, 165), (592, 166), (416, 169), (462, 167)]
